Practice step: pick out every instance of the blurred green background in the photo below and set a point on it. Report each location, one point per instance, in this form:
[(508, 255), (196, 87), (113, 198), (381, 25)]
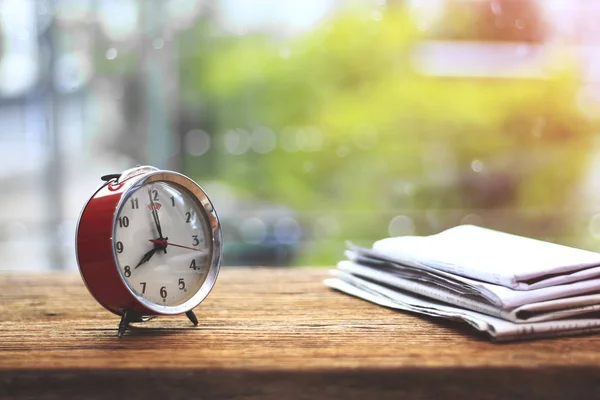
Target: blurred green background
[(313, 123), (371, 146)]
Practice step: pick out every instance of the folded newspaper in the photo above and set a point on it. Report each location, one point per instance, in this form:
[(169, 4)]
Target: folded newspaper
[(508, 286)]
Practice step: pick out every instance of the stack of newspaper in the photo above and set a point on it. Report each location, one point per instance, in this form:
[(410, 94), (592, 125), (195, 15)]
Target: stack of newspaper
[(508, 286)]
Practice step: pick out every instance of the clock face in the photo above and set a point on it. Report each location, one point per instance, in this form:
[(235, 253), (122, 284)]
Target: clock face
[(162, 243)]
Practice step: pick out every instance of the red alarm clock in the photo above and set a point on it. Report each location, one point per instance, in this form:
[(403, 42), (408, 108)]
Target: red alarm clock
[(149, 243)]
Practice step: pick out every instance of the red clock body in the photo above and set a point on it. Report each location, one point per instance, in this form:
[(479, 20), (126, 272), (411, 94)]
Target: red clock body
[(95, 250)]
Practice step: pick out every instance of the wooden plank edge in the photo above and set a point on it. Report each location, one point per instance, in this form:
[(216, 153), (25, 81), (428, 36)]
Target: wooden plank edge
[(480, 383)]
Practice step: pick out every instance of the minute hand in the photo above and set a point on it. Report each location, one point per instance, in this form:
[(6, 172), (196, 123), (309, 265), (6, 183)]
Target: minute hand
[(155, 215)]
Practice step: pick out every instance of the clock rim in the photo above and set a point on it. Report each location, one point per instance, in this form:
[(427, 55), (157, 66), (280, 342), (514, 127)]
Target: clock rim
[(214, 226)]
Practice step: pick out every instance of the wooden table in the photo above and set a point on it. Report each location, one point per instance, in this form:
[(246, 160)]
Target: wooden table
[(268, 333)]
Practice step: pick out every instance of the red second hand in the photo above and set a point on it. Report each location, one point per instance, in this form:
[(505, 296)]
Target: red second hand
[(165, 244)]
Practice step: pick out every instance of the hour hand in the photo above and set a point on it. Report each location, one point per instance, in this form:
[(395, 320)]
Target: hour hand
[(146, 257)]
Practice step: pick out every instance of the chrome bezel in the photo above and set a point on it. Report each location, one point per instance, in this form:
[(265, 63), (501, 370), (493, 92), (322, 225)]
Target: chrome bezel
[(214, 227)]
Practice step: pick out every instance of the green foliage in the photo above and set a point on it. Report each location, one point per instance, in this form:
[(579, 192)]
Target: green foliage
[(362, 136)]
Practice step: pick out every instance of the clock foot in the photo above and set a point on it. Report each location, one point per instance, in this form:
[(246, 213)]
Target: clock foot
[(128, 316), (190, 314)]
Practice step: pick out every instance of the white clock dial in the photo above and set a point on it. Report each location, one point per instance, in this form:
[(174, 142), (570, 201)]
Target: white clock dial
[(162, 243)]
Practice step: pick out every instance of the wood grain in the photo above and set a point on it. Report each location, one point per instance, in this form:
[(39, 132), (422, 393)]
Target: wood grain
[(268, 333)]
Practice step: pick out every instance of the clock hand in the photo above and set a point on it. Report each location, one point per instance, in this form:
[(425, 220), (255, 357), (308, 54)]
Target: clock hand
[(156, 219), (155, 215), (146, 257), (158, 245), (164, 243)]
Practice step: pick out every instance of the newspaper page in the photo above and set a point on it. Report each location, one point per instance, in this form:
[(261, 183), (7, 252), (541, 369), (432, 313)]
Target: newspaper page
[(498, 329), (501, 296), (533, 312), (500, 258)]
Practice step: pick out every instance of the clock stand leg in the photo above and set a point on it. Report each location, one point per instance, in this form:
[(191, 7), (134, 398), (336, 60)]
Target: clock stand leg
[(128, 316), (190, 314)]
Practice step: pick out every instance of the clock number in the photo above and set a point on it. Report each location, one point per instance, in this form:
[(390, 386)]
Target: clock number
[(173, 201), (135, 204), (163, 292), (181, 284), (123, 222), (196, 242), (143, 287), (188, 218), (155, 195), (193, 265), (119, 247), (127, 271)]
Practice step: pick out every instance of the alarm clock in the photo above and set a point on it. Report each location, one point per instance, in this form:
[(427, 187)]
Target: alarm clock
[(149, 243)]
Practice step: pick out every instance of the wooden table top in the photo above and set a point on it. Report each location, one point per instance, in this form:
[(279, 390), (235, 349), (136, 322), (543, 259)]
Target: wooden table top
[(268, 333)]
